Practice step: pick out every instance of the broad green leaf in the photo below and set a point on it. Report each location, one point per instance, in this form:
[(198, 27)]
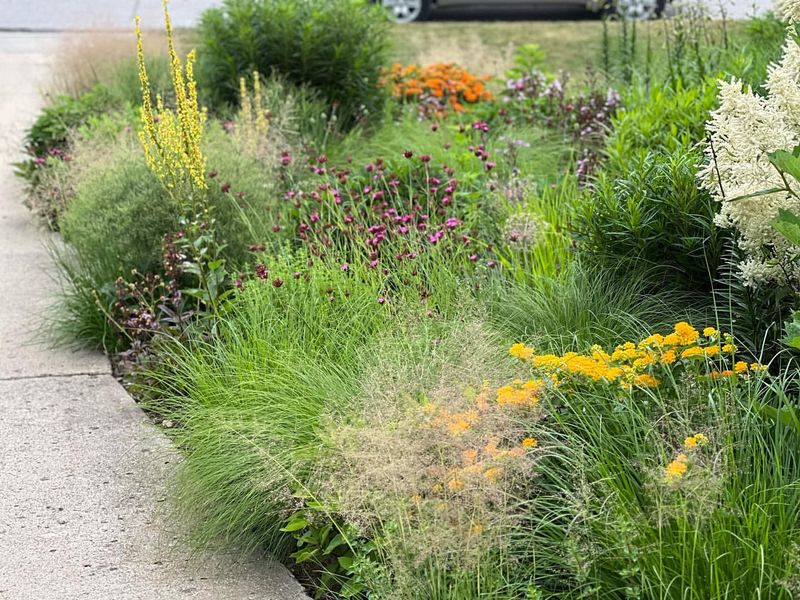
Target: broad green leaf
[(787, 416), (786, 162), (295, 525), (304, 555), (337, 541), (788, 225), (351, 589), (792, 331)]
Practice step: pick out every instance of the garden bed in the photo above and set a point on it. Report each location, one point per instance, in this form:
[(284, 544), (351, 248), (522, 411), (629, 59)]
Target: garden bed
[(441, 331)]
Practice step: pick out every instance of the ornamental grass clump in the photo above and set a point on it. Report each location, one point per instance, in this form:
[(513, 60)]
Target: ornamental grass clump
[(429, 464), (671, 476)]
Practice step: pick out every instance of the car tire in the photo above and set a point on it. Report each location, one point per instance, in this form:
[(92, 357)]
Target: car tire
[(407, 11)]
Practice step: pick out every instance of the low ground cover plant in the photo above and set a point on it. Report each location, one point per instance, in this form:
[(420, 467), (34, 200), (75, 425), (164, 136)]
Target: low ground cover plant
[(426, 335)]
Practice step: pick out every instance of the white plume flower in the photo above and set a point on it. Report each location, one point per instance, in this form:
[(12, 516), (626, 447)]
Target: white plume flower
[(789, 10), (743, 131)]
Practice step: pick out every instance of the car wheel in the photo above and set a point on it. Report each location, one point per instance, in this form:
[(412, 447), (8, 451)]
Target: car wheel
[(407, 11)]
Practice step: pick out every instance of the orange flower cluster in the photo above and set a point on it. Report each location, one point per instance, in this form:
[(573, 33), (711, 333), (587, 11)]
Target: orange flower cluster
[(675, 471), (450, 84), (484, 453)]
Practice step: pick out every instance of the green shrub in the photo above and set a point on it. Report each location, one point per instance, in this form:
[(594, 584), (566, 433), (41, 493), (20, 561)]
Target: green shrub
[(335, 47), (652, 210), (53, 126), (121, 213), (659, 118)]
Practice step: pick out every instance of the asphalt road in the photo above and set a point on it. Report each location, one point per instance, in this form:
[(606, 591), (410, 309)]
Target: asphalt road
[(60, 15)]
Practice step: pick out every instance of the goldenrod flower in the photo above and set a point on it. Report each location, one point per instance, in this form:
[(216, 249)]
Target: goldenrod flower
[(645, 380), (669, 357)]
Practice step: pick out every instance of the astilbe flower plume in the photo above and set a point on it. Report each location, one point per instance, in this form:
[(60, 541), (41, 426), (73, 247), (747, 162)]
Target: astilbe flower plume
[(743, 131)]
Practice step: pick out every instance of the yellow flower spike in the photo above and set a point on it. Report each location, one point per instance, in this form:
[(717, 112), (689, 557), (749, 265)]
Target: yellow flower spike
[(701, 439), (529, 442), (757, 367), (690, 442), (710, 332), (740, 368), (729, 349), (711, 351), (171, 140)]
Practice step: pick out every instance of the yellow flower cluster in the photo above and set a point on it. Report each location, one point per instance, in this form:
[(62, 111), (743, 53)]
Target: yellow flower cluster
[(698, 439), (172, 139), (677, 469), (634, 364)]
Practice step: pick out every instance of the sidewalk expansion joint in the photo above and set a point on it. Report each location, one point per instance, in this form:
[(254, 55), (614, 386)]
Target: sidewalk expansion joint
[(57, 376)]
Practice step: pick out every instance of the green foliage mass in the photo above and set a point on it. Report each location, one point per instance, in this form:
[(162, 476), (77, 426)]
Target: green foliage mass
[(335, 47)]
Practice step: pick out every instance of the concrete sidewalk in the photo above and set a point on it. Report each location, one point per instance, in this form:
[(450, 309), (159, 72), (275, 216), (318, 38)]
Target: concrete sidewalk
[(83, 473)]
